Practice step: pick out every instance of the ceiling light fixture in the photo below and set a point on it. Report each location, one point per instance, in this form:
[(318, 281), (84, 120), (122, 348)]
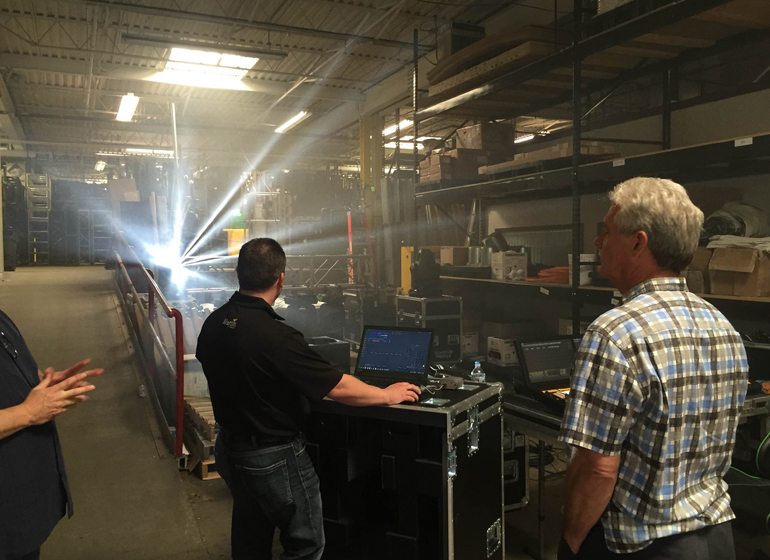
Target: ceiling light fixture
[(205, 68), (523, 138), (128, 104), (100, 166), (292, 122), (392, 128)]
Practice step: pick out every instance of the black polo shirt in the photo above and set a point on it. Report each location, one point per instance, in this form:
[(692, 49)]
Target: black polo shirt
[(33, 483), (261, 372)]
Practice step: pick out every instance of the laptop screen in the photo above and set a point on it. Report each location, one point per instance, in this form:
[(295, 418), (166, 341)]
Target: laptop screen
[(396, 353), (547, 364)]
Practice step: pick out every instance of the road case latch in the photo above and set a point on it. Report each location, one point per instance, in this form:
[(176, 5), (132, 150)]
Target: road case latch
[(451, 462), (494, 537), (473, 430)]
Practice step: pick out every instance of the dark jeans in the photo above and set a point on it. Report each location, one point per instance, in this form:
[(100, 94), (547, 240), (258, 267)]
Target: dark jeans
[(272, 487), (710, 543)]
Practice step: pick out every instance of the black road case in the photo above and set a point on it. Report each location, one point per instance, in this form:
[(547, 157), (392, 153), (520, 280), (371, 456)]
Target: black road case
[(443, 315), (412, 482)]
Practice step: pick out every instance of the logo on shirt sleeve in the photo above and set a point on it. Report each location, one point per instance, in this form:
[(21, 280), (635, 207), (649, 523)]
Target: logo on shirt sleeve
[(230, 323)]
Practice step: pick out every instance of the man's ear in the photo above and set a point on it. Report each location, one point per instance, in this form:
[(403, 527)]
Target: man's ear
[(281, 278), (641, 241)]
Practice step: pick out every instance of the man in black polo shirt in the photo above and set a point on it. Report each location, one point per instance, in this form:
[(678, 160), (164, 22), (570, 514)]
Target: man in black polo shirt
[(261, 375), (33, 484)]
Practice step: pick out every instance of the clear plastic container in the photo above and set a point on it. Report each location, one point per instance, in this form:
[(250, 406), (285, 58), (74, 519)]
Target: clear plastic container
[(477, 374)]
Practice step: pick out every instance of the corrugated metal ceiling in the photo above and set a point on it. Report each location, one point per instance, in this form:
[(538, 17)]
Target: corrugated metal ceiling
[(67, 63)]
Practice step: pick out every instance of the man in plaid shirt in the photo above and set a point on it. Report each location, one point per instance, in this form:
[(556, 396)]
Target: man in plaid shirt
[(656, 395)]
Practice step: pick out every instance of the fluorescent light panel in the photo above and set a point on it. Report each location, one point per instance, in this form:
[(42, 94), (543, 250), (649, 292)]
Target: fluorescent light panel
[(523, 138), (292, 122), (206, 69), (128, 104)]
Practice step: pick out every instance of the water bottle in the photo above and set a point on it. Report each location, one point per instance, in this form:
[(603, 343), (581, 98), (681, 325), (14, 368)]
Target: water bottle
[(477, 374)]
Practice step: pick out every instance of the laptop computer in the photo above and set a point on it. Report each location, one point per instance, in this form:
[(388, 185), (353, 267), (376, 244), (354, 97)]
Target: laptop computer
[(546, 366), (388, 355)]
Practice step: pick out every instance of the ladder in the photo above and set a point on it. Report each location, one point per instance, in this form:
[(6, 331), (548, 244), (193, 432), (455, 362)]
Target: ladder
[(38, 217)]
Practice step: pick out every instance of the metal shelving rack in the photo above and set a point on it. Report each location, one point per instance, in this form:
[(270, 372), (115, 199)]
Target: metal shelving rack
[(613, 33), (38, 217)]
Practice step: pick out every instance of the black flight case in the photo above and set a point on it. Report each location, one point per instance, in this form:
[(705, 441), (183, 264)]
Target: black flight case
[(413, 482)]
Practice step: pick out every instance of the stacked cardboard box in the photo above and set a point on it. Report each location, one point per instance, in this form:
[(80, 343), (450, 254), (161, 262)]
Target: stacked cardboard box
[(437, 168), (554, 151), (467, 162), (496, 139), (739, 272), (697, 273), (730, 271), (457, 256)]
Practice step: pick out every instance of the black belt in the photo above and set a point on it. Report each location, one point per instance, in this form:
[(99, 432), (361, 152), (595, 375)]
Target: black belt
[(231, 438)]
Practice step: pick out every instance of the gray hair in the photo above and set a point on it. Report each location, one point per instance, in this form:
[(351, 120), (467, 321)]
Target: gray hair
[(662, 209)]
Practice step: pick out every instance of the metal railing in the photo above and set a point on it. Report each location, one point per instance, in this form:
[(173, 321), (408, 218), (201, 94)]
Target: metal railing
[(163, 362)]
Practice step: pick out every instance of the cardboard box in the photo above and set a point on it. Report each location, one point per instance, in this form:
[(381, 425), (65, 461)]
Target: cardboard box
[(495, 137), (565, 326), (509, 265), (467, 162), (470, 343), (696, 274), (457, 256), (739, 272), (696, 281), (587, 267), (501, 351), (437, 167)]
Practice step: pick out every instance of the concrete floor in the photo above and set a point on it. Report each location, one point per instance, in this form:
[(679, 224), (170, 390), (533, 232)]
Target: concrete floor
[(131, 501)]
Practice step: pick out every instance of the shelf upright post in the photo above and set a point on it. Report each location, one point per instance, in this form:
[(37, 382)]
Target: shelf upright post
[(416, 238), (577, 248), (668, 85)]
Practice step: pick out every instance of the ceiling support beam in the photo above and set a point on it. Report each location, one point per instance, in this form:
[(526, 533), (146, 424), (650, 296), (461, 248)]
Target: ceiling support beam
[(9, 120), (122, 72), (261, 25)]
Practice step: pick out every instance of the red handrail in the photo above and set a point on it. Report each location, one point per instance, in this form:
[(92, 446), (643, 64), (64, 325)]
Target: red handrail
[(153, 291)]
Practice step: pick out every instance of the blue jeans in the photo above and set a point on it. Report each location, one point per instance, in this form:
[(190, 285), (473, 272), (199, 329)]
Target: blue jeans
[(272, 487)]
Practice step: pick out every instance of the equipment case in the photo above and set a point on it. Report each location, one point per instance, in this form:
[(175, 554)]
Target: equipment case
[(443, 315), (413, 482)]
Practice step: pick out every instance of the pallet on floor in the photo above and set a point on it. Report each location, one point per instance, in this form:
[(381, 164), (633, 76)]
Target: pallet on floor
[(207, 469), (201, 413), (201, 459)]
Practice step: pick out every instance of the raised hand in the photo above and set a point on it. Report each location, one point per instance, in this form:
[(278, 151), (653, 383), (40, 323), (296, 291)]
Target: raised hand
[(47, 400), (59, 376)]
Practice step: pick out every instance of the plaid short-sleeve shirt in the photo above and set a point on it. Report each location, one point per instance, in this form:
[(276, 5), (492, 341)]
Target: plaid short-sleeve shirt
[(660, 380)]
